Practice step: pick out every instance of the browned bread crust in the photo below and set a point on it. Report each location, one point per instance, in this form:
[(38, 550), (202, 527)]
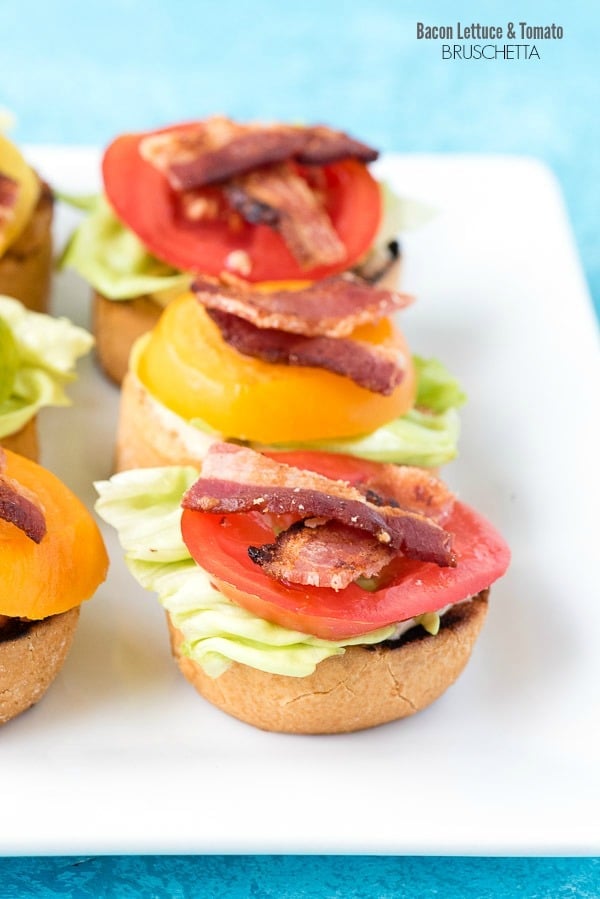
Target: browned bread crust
[(365, 687), (26, 266), (149, 435), (117, 324), (25, 442), (31, 655)]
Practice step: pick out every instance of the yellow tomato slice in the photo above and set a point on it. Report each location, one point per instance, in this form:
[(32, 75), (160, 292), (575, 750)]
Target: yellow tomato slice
[(14, 166), (187, 366), (66, 567)]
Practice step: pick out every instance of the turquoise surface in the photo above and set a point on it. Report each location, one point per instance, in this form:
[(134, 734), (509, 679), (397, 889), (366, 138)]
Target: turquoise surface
[(126, 65), (297, 877), (81, 73)]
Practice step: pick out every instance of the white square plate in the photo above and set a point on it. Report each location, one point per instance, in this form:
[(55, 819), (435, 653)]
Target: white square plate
[(123, 757)]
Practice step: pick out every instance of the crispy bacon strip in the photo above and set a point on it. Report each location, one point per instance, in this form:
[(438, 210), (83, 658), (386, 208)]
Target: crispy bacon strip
[(9, 194), (238, 479), (286, 202), (410, 488), (376, 368), (324, 145), (255, 211), (333, 307), (218, 148), (332, 555), (17, 508)]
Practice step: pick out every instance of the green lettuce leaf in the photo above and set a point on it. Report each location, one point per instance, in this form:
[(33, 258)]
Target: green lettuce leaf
[(84, 202), (144, 507), (416, 438), (113, 260), (44, 352), (9, 360), (437, 390)]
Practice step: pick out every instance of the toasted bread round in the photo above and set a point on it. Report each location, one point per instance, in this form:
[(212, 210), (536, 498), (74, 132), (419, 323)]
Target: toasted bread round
[(117, 324), (25, 442), (365, 687), (150, 435), (26, 266), (31, 655)]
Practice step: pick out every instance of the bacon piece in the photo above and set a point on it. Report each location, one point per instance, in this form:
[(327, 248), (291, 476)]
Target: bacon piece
[(333, 307), (238, 479), (253, 211), (17, 508), (9, 194), (333, 555), (265, 189), (376, 368), (325, 145), (218, 148), (293, 208), (409, 488)]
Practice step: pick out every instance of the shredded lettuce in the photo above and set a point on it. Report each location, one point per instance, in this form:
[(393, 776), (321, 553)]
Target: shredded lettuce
[(113, 259), (9, 360), (416, 438), (38, 354), (431, 622), (144, 507), (437, 390)]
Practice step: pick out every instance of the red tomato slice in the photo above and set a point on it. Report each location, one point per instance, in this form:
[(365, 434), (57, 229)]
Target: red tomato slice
[(143, 199), (219, 543)]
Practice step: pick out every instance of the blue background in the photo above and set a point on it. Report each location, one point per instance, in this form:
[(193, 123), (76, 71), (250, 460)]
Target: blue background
[(81, 73), (127, 65)]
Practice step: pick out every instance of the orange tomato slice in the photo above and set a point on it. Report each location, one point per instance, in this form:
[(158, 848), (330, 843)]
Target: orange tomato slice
[(66, 567), (188, 367)]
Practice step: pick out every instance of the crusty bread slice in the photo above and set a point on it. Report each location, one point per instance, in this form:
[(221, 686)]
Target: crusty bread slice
[(117, 324), (31, 658), (150, 435), (365, 687), (26, 266), (25, 442)]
